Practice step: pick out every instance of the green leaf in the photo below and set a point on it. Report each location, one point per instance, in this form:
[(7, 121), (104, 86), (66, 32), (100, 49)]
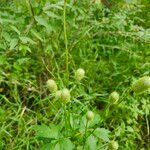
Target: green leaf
[(13, 43), (37, 35), (43, 131), (91, 143), (67, 144), (26, 40), (3, 60), (15, 29), (41, 21), (52, 15), (102, 133), (48, 146), (54, 6)]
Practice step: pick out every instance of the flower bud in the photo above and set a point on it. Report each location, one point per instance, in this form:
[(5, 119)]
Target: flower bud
[(114, 97), (79, 74), (141, 85), (65, 95), (58, 94), (113, 145), (51, 85), (89, 115)]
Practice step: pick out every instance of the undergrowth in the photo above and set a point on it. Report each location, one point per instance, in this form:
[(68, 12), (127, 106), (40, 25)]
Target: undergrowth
[(66, 75)]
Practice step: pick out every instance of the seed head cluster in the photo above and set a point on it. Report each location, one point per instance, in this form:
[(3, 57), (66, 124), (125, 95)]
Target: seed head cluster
[(51, 85), (113, 145), (79, 74), (141, 85), (114, 97), (89, 115)]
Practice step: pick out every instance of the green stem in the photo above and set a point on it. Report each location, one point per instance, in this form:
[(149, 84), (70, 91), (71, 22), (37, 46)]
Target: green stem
[(65, 118), (65, 39), (84, 138)]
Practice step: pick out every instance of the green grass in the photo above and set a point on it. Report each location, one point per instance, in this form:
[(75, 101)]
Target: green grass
[(43, 40)]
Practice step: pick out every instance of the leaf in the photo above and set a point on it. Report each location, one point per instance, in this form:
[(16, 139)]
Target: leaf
[(26, 40), (41, 21), (24, 49), (23, 60), (3, 60), (13, 43), (43, 131), (6, 36), (37, 35), (48, 146), (15, 29), (67, 144), (50, 6), (52, 15), (102, 133), (91, 143)]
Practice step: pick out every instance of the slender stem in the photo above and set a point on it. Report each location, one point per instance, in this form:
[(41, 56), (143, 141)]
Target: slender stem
[(65, 39), (65, 118), (148, 131), (84, 138)]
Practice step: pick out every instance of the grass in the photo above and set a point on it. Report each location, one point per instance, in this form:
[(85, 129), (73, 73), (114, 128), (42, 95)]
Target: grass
[(51, 40)]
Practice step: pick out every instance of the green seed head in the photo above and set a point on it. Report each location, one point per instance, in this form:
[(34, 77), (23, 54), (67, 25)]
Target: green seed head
[(51, 85), (65, 95), (89, 115), (58, 94), (97, 1), (114, 97), (141, 85), (113, 145), (79, 74)]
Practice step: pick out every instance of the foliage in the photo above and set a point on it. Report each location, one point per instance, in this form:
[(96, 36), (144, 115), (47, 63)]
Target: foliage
[(42, 40)]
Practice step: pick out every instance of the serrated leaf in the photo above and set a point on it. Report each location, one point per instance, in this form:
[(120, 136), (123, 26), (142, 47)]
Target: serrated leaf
[(26, 40), (52, 15), (91, 143), (50, 6), (37, 35), (3, 60), (43, 131), (23, 60), (15, 29), (13, 43), (67, 144), (102, 133), (41, 21), (48, 146)]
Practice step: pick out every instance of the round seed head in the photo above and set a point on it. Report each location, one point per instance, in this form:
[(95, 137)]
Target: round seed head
[(114, 97), (113, 145), (79, 74), (141, 85), (51, 85), (65, 95), (58, 94), (97, 1), (89, 115)]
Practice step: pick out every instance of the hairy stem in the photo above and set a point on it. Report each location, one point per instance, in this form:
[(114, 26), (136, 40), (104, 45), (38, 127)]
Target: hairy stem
[(65, 39)]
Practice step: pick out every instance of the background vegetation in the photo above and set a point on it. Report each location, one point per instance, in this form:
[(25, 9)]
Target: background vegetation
[(50, 39)]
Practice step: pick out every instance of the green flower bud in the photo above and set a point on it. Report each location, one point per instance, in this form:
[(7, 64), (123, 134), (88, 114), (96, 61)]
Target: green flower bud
[(113, 145), (114, 97), (89, 115), (141, 85), (65, 95), (79, 74), (51, 85)]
